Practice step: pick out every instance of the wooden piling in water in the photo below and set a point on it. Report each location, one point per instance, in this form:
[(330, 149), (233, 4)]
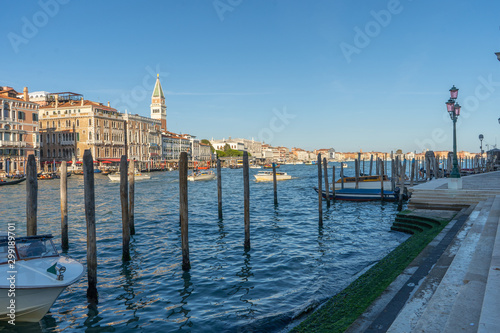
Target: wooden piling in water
[(333, 183), (131, 196), (64, 206), (183, 210), (371, 163), (89, 192), (327, 188), (246, 194), (356, 170), (402, 187), (342, 175), (320, 190), (377, 166), (125, 211), (381, 180), (275, 185), (219, 189), (412, 176), (393, 175), (31, 197)]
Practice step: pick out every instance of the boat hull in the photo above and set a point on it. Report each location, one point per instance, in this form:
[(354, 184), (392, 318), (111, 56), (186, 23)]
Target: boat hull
[(270, 178), (31, 304), (12, 182), (116, 177), (360, 195), (201, 177)]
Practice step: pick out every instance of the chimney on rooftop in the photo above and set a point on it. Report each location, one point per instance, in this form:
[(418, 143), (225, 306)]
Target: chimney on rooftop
[(108, 104), (57, 100), (81, 98), (25, 92)]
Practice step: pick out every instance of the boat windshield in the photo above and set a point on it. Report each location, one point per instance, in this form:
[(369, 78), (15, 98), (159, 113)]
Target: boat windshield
[(4, 252), (35, 248)]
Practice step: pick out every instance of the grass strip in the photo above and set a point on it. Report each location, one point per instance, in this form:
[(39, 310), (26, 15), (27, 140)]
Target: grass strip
[(340, 311)]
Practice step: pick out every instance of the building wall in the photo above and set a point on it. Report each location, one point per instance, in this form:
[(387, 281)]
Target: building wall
[(19, 136)]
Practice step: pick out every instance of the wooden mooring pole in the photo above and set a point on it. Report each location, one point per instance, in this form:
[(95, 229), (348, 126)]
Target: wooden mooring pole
[(131, 196), (381, 180), (31, 197), (89, 193), (64, 206), (219, 189), (356, 170), (246, 195), (183, 209), (275, 185), (342, 175), (402, 186), (327, 188), (320, 191), (125, 211), (333, 183), (371, 164)]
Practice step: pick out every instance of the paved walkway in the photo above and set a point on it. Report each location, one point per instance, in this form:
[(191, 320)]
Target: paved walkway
[(454, 285)]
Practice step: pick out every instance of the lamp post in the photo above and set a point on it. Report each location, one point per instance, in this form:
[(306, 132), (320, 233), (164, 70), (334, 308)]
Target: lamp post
[(481, 137), (453, 109)]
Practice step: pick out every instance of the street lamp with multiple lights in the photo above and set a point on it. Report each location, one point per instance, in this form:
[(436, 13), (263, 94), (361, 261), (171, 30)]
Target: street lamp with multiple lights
[(481, 137), (453, 109)]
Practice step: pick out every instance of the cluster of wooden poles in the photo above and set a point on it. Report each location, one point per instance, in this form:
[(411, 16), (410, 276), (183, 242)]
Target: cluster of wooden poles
[(127, 185)]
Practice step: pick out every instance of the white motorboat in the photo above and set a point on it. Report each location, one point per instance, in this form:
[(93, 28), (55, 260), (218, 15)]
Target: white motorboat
[(205, 175), (267, 176), (115, 177), (255, 167), (34, 275)]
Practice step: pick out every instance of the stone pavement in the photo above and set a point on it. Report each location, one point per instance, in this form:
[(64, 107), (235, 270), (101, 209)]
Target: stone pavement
[(454, 284)]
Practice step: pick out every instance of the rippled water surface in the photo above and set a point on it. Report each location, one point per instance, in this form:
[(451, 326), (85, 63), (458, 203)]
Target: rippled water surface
[(293, 263)]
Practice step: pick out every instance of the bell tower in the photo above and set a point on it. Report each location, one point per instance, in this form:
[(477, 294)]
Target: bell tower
[(158, 107)]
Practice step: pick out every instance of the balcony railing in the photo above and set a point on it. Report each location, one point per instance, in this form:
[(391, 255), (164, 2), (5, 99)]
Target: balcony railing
[(4, 143)]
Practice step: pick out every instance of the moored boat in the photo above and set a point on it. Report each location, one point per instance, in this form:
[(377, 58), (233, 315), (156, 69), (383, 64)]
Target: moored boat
[(115, 177), (38, 273), (351, 194), (270, 166), (267, 176), (364, 182), (11, 182), (205, 175)]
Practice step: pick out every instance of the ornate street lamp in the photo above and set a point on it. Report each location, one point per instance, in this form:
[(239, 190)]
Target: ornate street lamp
[(481, 137), (454, 111)]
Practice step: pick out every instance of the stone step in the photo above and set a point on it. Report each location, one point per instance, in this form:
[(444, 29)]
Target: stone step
[(426, 310), (442, 305), (466, 310), (489, 320)]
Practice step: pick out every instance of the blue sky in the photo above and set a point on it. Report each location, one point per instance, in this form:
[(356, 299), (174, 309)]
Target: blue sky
[(370, 75)]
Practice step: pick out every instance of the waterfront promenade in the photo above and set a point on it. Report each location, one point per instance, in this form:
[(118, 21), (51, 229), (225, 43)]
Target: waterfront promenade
[(454, 284)]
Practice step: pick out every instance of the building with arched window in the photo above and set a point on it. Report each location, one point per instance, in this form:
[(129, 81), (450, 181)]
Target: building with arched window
[(19, 136)]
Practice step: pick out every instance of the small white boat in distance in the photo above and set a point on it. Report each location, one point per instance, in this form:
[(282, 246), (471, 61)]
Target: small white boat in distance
[(37, 272), (115, 177), (205, 175), (255, 167), (267, 176)]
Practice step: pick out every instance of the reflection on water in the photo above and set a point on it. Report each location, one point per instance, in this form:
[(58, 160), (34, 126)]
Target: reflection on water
[(294, 263)]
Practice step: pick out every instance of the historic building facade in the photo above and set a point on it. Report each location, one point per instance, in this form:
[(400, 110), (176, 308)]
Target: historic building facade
[(69, 125), (18, 130)]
